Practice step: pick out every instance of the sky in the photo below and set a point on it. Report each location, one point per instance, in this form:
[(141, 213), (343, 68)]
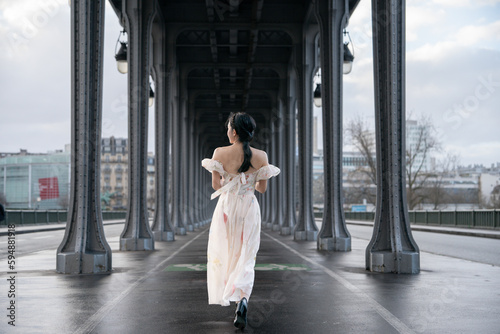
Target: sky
[(452, 75)]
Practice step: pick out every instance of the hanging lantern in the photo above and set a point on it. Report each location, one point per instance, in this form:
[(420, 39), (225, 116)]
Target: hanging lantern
[(151, 96), (348, 59), (348, 55), (317, 96), (121, 55)]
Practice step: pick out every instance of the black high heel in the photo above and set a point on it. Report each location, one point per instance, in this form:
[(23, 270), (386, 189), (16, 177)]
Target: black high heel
[(240, 318)]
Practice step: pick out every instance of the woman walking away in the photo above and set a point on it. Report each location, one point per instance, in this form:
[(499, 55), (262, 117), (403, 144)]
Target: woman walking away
[(234, 236)]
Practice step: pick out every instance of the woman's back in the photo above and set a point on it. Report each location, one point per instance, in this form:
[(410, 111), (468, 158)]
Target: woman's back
[(231, 158)]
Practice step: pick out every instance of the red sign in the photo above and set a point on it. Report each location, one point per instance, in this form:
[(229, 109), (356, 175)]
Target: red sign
[(49, 188)]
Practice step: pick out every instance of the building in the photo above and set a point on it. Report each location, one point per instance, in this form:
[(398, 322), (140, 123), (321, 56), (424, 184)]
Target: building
[(35, 181), (114, 173), (490, 188), (42, 180), (151, 181), (416, 136)]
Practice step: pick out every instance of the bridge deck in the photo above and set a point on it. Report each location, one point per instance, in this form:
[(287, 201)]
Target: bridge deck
[(297, 290)]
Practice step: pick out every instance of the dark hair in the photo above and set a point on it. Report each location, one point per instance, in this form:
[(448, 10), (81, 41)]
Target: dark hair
[(244, 125)]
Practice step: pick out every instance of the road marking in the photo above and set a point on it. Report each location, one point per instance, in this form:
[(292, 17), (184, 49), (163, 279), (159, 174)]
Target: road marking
[(97, 317), (258, 267), (384, 313)]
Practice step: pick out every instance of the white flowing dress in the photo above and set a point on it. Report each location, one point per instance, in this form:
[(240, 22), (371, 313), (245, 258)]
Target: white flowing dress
[(234, 236)]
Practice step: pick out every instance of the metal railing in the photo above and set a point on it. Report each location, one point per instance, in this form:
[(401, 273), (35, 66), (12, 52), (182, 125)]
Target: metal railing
[(27, 217), (488, 219)]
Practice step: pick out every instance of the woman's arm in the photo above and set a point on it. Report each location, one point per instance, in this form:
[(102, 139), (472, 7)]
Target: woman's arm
[(261, 186), (216, 180)]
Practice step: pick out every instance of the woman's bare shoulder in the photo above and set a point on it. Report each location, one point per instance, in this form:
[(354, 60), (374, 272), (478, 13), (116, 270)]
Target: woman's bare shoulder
[(259, 157), (220, 152)]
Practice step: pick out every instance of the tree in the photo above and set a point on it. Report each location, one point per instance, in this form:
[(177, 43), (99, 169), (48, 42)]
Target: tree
[(363, 139), (421, 141), (359, 182), (435, 191)]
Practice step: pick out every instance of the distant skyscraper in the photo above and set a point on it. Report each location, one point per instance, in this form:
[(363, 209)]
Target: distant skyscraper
[(416, 135)]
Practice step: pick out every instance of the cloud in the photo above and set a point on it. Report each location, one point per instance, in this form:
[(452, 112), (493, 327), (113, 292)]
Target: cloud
[(465, 3), (475, 34), (420, 16), (23, 20), (468, 36)]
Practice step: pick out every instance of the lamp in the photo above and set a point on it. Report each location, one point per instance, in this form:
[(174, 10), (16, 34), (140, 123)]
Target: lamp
[(121, 55), (317, 90), (348, 56), (317, 95), (151, 96)]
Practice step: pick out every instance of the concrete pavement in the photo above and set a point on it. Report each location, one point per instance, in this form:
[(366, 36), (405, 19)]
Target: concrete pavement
[(297, 290)]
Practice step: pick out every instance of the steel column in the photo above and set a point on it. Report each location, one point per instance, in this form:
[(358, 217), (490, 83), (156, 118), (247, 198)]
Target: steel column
[(84, 248), (392, 248), (289, 219), (271, 192), (278, 139), (138, 16), (192, 185), (186, 171), (162, 226), (306, 227), (176, 166), (332, 16)]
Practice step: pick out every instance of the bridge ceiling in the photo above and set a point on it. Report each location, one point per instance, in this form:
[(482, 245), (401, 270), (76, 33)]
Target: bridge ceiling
[(230, 50)]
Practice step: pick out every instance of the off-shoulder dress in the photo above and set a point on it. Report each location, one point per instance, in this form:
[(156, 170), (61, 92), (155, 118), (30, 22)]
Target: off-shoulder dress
[(234, 236)]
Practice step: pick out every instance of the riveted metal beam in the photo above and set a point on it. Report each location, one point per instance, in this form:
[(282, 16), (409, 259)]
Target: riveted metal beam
[(177, 158), (392, 248), (162, 227), (305, 66), (138, 16), (84, 248), (279, 129), (288, 167), (332, 17)]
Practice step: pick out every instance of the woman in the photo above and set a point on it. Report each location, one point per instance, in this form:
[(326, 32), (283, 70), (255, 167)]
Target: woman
[(234, 236)]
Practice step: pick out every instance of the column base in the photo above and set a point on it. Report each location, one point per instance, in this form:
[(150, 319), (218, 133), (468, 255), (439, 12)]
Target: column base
[(276, 227), (93, 263), (196, 225), (269, 225), (163, 236), (286, 231), (181, 231), (305, 235), (190, 228), (136, 244), (334, 244), (385, 262)]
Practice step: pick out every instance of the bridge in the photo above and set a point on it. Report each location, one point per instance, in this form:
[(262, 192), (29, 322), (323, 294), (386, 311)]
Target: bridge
[(324, 275), (206, 60), (297, 289)]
